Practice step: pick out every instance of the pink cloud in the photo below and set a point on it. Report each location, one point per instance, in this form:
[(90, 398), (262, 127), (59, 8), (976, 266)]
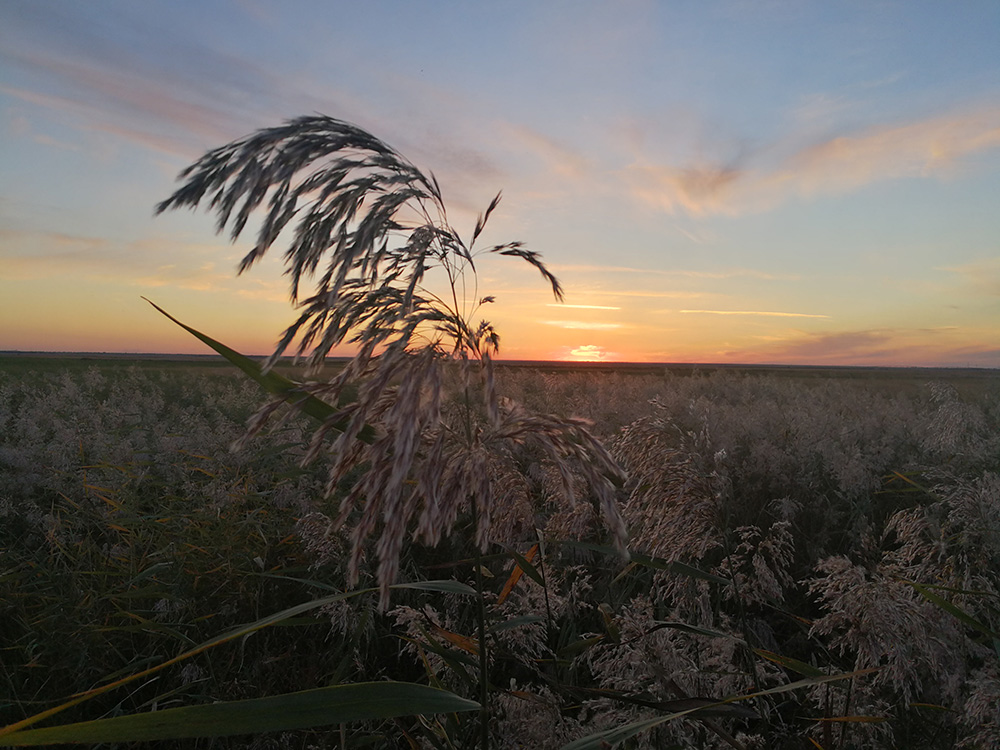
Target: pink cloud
[(562, 160), (698, 190), (126, 103), (932, 147), (875, 347)]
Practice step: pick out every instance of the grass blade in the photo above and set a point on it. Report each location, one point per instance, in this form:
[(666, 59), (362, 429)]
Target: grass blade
[(522, 564), (789, 663), (272, 382), (694, 630), (611, 737), (654, 563), (954, 610), (308, 708), (960, 614), (438, 587)]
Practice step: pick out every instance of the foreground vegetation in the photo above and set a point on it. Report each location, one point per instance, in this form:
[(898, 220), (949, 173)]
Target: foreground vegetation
[(802, 512)]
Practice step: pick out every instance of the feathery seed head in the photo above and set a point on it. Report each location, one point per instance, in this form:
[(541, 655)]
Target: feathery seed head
[(367, 226)]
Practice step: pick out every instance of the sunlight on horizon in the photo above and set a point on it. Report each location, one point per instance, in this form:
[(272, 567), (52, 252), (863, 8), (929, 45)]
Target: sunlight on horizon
[(589, 353)]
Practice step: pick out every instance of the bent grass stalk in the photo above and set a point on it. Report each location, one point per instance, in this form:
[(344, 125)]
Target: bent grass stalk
[(380, 225)]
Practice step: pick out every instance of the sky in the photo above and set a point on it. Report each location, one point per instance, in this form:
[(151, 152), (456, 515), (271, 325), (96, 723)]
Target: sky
[(727, 181)]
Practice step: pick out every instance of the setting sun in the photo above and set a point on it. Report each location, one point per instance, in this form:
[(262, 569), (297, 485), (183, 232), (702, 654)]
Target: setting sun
[(589, 353)]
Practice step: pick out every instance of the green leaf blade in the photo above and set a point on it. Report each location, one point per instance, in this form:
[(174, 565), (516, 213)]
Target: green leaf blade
[(272, 382), (320, 707)]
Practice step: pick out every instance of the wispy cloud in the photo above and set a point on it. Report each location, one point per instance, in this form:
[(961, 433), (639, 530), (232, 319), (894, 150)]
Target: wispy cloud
[(649, 295), (727, 273), (202, 279), (152, 87), (561, 159), (21, 126), (940, 346), (582, 325), (37, 255), (754, 312), (270, 291), (931, 147), (824, 347), (982, 276), (582, 307), (918, 149), (124, 103), (27, 255), (697, 190), (697, 237), (181, 104)]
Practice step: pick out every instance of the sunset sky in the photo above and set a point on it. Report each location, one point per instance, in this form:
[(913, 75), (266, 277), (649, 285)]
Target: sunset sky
[(780, 181)]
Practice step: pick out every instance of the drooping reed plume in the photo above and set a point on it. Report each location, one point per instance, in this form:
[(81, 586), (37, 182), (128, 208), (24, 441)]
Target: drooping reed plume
[(370, 230)]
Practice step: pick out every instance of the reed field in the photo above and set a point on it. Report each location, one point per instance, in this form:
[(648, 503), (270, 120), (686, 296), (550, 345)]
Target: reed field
[(816, 525), (419, 547)]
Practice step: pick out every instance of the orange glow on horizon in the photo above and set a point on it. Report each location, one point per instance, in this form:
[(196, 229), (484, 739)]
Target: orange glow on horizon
[(100, 317)]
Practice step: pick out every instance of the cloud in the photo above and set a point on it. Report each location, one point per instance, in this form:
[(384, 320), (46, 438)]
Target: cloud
[(982, 276), (582, 325), (932, 147), (919, 149), (972, 356), (563, 161), (874, 347), (826, 346), (21, 126), (181, 104), (582, 307), (698, 190), (754, 312), (203, 279), (262, 295), (158, 88), (650, 295), (125, 103), (822, 107), (721, 274), (697, 237), (27, 255)]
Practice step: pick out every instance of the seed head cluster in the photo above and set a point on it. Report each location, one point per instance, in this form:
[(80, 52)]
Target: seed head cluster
[(417, 403)]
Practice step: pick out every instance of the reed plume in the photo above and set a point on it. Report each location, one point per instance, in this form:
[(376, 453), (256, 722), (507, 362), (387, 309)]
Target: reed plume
[(368, 228)]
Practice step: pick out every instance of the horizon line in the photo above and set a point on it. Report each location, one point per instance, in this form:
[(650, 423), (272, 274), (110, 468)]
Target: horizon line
[(500, 360)]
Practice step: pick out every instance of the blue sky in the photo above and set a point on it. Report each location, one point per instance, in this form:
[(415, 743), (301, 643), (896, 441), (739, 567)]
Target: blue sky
[(774, 181)]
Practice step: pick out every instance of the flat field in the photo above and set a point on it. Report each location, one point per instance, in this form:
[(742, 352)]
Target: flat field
[(785, 524)]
